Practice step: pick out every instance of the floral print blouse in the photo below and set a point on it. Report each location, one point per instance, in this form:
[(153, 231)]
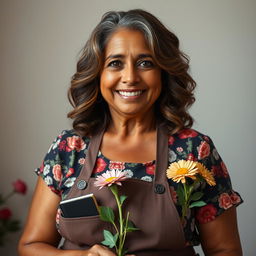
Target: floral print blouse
[(66, 156)]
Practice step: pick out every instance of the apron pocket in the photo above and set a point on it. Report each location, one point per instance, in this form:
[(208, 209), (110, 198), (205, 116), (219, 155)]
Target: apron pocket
[(84, 230)]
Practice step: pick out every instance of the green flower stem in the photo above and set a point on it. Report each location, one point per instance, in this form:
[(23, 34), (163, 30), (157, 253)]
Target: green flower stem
[(184, 206), (125, 229), (187, 193), (114, 190)]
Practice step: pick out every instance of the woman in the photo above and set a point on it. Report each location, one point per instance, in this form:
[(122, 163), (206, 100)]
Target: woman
[(131, 94)]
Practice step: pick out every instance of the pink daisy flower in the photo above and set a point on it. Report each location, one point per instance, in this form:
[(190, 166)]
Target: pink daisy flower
[(110, 177)]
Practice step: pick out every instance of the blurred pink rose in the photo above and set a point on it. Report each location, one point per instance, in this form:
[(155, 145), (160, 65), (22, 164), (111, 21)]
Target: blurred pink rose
[(20, 186), (5, 214)]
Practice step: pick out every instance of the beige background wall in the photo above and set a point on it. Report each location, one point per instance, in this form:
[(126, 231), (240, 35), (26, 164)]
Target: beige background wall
[(40, 41)]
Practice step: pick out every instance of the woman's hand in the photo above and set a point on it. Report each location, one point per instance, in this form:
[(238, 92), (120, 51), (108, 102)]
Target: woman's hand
[(98, 250)]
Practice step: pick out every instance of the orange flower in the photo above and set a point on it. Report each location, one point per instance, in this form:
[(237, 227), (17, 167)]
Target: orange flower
[(179, 171), (207, 175)]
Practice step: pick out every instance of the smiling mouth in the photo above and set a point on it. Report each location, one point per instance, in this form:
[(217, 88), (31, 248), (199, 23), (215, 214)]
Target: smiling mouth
[(130, 93)]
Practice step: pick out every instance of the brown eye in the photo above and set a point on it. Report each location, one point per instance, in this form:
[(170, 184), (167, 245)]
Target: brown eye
[(115, 64), (146, 64)]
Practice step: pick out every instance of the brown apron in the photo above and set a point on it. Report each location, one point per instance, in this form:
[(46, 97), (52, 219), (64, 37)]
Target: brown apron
[(150, 205)]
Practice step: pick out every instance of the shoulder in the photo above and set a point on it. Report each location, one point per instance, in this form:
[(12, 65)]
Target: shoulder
[(69, 140), (191, 135), (63, 161), (71, 134), (190, 144)]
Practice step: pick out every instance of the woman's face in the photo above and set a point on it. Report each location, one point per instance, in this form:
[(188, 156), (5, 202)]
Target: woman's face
[(130, 80)]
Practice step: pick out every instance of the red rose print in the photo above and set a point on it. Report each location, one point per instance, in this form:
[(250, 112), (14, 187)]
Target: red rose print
[(67, 149), (225, 201), (173, 194), (20, 187), (224, 169), (62, 145), (203, 150), (70, 172), (57, 174), (218, 171), (5, 214), (206, 213), (75, 142), (99, 166), (235, 198), (150, 169), (187, 133), (171, 140), (191, 157), (116, 165)]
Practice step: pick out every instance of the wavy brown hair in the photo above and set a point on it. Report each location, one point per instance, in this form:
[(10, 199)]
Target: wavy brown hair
[(90, 109)]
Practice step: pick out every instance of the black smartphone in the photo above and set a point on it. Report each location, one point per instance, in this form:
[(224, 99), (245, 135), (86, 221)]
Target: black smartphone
[(81, 206)]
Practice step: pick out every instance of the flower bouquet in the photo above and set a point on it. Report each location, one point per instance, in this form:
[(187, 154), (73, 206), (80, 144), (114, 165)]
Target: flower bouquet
[(111, 179), (189, 174), (7, 224)]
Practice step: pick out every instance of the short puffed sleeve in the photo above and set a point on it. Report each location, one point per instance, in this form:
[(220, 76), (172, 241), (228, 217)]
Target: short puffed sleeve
[(63, 161), (192, 145), (220, 197)]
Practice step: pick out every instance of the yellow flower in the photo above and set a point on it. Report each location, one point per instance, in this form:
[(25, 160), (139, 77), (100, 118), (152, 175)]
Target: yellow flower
[(179, 171), (203, 171)]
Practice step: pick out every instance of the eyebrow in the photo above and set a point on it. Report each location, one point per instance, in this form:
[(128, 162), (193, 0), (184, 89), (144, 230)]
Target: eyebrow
[(116, 56)]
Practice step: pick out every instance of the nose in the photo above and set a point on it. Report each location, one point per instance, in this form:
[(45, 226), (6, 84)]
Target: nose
[(130, 75)]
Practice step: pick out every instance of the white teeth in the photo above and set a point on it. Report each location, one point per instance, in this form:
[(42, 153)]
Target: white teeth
[(129, 94)]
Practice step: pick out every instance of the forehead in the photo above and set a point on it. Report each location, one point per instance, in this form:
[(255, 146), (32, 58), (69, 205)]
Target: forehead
[(126, 40)]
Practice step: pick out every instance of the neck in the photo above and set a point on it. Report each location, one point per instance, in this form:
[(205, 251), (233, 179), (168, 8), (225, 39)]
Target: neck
[(125, 126)]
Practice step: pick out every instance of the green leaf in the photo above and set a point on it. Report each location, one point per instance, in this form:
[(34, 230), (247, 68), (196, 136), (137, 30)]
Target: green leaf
[(189, 146), (197, 204), (107, 214), (109, 239), (196, 196), (122, 198), (131, 227)]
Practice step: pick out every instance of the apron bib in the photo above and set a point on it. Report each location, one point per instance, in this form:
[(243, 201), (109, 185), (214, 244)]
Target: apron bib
[(150, 204)]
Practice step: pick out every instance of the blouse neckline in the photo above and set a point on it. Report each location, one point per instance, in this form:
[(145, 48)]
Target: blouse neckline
[(148, 163)]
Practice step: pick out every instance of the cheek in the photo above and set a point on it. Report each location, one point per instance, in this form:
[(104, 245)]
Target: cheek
[(107, 80), (156, 82)]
